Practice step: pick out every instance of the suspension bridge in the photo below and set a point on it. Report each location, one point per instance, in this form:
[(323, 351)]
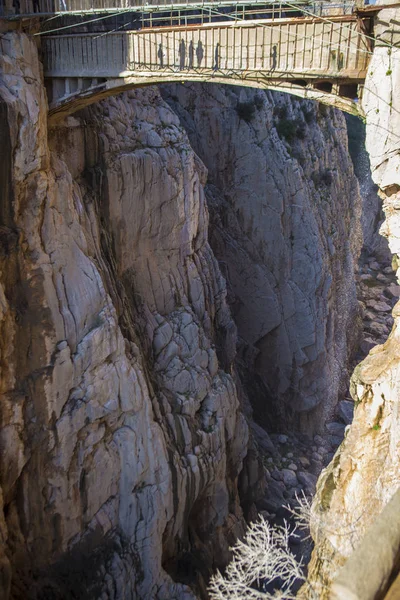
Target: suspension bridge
[(92, 49)]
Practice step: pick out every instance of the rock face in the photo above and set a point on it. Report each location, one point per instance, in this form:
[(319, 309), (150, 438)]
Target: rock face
[(285, 227), (121, 437), (372, 215), (365, 472)]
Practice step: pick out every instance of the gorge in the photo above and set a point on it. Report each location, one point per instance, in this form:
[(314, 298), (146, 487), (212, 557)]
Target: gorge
[(179, 269)]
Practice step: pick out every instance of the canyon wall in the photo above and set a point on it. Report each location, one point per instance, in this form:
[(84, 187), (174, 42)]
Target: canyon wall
[(122, 442), (364, 474), (285, 226), (121, 436)]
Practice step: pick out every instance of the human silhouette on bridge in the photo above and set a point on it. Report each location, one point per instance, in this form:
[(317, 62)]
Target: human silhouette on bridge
[(182, 54), (160, 55), (274, 60), (216, 58), (191, 54), (199, 53)]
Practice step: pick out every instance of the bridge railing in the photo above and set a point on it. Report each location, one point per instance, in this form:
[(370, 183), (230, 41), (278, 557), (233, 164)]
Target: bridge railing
[(308, 48), (29, 8)]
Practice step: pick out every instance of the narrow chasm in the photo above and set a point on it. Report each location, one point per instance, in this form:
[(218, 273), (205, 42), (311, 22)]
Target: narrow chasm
[(295, 222), (188, 276)]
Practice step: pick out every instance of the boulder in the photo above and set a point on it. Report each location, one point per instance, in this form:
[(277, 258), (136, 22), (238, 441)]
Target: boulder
[(305, 463), (366, 345), (378, 306), (307, 480), (277, 475), (336, 428), (393, 291), (289, 478), (345, 411), (263, 440)]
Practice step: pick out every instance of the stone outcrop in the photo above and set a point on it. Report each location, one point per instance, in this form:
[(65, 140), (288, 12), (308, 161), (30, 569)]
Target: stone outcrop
[(285, 226), (364, 474), (121, 437)]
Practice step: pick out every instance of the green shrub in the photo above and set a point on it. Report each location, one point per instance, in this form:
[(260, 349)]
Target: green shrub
[(324, 177), (327, 177), (308, 113), (323, 110), (259, 101), (280, 112), (246, 110), (291, 129)]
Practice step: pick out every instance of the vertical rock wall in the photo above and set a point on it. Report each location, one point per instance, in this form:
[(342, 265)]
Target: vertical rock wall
[(372, 216), (365, 471), (121, 438), (285, 226)]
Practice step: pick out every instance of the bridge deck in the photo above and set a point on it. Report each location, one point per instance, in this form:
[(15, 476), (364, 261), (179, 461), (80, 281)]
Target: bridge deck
[(293, 49)]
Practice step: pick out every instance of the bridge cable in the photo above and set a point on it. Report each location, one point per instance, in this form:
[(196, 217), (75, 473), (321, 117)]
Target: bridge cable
[(113, 30), (83, 22), (360, 33), (216, 13), (297, 36), (303, 38)]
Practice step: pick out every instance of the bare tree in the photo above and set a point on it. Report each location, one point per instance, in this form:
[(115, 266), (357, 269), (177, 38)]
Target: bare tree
[(302, 513), (262, 558)]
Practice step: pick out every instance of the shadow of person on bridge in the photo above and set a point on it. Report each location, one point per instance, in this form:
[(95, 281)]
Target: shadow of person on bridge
[(199, 53), (191, 54), (160, 55), (274, 59), (216, 58), (182, 54)]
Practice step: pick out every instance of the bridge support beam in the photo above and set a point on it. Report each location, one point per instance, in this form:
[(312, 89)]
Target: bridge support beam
[(85, 91)]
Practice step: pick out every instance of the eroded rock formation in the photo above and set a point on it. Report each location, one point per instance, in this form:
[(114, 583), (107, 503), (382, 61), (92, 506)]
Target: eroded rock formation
[(285, 226), (121, 435)]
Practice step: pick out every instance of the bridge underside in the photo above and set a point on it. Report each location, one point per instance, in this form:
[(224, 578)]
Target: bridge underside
[(73, 94)]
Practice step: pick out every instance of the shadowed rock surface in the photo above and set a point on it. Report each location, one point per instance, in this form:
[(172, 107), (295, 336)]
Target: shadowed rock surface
[(285, 226)]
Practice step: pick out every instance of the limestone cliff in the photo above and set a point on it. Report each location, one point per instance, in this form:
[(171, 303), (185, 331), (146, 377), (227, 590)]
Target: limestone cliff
[(365, 472), (121, 437), (285, 226)]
